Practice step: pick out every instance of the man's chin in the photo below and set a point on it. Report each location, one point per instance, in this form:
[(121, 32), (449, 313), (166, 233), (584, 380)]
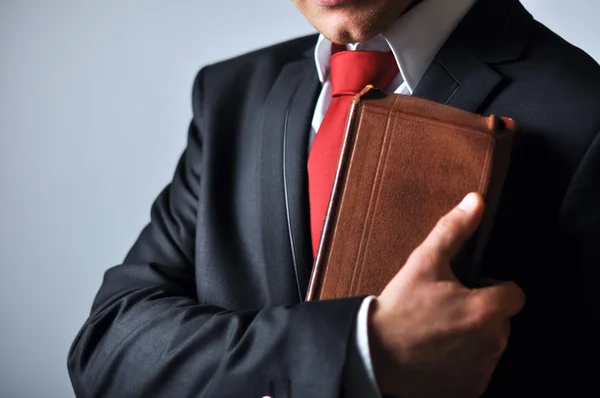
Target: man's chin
[(345, 39), (352, 25), (348, 33)]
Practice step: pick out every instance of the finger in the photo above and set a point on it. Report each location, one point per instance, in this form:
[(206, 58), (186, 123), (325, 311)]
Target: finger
[(450, 233), (485, 282), (502, 301)]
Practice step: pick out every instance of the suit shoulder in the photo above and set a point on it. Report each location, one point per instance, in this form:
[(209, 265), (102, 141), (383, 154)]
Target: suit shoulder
[(569, 67), (559, 88), (261, 60), (253, 71), (284, 51), (233, 87)]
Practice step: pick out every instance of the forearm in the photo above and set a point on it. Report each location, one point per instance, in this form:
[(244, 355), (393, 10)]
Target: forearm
[(153, 340)]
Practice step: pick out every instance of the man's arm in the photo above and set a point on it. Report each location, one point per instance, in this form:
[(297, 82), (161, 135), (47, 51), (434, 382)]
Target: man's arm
[(579, 224), (147, 334)]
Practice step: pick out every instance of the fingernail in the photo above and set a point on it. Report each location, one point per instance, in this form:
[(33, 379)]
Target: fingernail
[(469, 203)]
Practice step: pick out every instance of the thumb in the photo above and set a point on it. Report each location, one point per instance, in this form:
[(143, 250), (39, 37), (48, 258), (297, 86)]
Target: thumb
[(448, 236), (506, 299)]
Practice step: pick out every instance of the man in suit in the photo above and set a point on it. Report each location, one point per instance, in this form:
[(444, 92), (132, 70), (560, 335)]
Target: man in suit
[(210, 299)]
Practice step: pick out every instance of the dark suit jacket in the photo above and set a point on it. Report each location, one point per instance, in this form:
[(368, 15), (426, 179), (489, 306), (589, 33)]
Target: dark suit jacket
[(208, 302)]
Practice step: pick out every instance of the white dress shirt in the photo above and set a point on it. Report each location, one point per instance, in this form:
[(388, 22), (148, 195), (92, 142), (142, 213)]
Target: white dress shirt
[(415, 38)]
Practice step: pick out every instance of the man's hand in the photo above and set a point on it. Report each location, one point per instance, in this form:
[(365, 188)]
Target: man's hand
[(430, 335)]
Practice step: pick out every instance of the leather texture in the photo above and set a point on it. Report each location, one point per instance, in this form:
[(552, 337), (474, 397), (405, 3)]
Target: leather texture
[(405, 163)]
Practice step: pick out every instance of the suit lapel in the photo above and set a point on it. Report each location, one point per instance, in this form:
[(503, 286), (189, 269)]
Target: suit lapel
[(295, 159), (458, 78), (283, 204), (462, 73)]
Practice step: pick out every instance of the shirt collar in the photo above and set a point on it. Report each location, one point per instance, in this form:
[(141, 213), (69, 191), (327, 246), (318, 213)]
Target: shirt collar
[(415, 38)]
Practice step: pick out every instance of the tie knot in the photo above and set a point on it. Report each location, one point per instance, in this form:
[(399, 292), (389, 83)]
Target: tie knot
[(352, 71)]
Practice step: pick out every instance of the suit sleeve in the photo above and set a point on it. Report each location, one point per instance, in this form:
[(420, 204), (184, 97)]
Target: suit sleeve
[(580, 230), (579, 223), (148, 335)]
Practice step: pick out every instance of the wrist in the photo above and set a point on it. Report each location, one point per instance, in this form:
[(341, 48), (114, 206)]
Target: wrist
[(382, 361)]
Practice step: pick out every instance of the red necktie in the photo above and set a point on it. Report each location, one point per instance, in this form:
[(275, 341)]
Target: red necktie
[(350, 72)]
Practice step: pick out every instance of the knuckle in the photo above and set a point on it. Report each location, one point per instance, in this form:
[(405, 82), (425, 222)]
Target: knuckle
[(475, 321), (417, 256), (447, 224), (421, 255), (481, 313)]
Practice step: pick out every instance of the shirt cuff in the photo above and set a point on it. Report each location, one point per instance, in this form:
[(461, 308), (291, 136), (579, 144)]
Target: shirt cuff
[(362, 340), (359, 376)]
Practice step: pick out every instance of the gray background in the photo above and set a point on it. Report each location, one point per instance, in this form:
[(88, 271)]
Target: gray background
[(94, 107)]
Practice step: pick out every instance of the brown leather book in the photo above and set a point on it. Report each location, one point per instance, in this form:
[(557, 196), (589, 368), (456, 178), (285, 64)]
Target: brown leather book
[(405, 163)]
